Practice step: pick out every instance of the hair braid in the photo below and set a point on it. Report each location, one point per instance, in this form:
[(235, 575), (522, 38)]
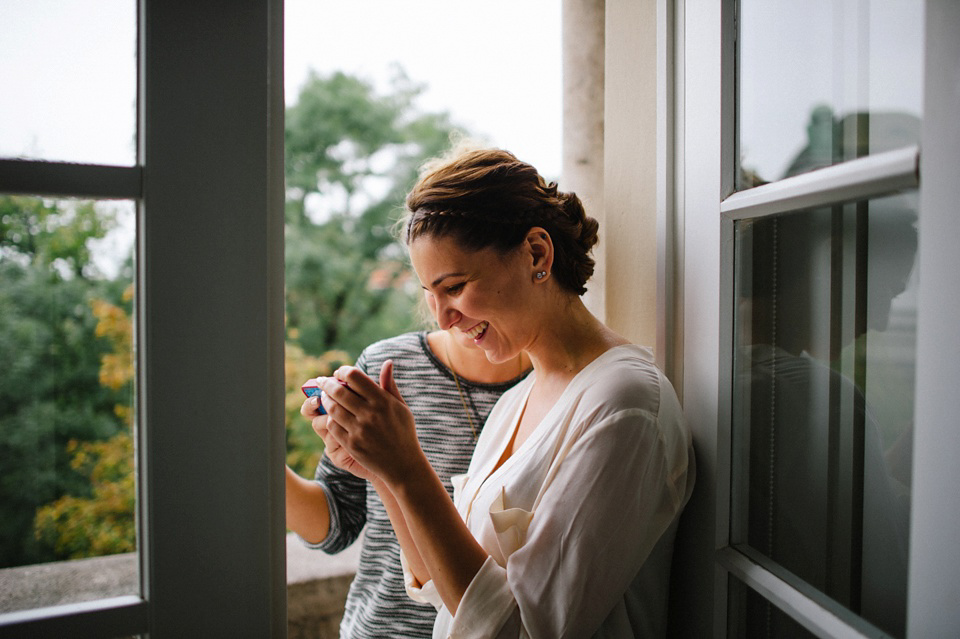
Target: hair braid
[(487, 198)]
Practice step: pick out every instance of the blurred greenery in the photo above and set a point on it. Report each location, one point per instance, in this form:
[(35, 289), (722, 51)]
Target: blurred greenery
[(67, 485), (102, 521), (50, 391), (354, 154)]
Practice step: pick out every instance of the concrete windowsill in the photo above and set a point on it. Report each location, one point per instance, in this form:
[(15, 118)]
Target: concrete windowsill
[(317, 585)]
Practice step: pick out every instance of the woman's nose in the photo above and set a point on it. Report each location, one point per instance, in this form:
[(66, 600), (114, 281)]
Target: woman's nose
[(447, 315)]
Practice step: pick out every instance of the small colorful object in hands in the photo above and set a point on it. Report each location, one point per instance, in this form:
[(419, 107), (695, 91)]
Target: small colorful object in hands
[(311, 388)]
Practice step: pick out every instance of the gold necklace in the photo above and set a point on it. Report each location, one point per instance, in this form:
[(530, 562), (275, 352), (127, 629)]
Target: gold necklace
[(456, 380)]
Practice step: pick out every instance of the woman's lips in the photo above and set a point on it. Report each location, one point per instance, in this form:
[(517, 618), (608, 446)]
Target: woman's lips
[(478, 331)]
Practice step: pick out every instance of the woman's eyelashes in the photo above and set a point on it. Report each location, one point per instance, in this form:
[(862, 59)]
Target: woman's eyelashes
[(452, 290)]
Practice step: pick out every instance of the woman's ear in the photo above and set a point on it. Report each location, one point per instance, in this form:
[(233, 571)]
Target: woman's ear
[(540, 246)]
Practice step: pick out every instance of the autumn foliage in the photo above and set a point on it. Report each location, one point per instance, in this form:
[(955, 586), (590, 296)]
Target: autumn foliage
[(103, 523)]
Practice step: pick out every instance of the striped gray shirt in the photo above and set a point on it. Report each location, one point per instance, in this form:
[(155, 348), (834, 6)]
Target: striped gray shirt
[(377, 604)]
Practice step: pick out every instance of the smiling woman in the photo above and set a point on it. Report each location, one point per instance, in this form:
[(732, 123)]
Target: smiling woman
[(563, 524)]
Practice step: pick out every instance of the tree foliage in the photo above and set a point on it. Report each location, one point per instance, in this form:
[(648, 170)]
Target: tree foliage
[(353, 153), (50, 393), (48, 234), (104, 522)]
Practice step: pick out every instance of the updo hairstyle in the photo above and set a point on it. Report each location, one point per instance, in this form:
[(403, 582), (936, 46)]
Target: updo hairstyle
[(487, 198)]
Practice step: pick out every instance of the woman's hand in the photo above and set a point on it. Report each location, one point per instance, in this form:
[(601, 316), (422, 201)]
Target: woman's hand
[(372, 423), (331, 447)]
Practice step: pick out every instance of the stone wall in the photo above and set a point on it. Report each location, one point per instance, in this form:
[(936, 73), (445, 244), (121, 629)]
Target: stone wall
[(317, 586)]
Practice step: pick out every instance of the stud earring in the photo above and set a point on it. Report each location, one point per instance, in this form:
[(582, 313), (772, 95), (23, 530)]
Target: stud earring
[(541, 275)]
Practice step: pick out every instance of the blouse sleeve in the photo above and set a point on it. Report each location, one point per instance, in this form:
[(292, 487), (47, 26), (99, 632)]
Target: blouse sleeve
[(608, 502)]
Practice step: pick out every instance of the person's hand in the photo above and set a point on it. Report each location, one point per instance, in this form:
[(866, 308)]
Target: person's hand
[(331, 447), (372, 423)]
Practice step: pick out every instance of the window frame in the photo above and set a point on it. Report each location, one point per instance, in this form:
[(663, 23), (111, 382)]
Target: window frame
[(868, 177), (703, 135), (934, 563), (864, 178), (209, 309)]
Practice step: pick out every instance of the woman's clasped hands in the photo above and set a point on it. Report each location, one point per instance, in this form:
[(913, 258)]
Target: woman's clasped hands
[(368, 429)]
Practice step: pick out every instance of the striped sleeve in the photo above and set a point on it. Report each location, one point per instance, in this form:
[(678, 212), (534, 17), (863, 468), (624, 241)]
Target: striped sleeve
[(346, 499)]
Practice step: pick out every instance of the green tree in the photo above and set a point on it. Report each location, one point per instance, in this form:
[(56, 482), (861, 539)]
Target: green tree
[(52, 236), (356, 151), (50, 392), (103, 522)]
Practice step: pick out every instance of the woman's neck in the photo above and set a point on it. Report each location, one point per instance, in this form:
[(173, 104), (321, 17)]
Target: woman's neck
[(573, 338), (471, 363)]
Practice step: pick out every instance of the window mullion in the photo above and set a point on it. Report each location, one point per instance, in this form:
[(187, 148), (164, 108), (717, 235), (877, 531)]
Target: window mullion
[(865, 177), (62, 179), (114, 617)]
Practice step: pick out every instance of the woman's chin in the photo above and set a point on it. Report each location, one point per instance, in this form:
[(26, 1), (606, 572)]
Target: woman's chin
[(497, 356)]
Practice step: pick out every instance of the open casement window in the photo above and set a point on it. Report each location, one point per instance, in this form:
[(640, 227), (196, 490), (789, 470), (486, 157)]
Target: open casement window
[(821, 246), (815, 194), (201, 197)]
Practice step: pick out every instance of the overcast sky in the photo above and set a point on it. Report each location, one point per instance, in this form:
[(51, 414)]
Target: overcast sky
[(494, 65), (68, 74)]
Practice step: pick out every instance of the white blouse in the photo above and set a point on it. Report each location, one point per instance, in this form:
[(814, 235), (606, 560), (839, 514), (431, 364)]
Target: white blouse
[(579, 521)]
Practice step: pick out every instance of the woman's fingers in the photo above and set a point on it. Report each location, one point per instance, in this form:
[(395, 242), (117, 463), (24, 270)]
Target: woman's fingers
[(335, 430), (352, 395), (332, 445), (371, 424), (309, 407), (341, 456), (338, 392), (326, 426), (319, 425), (355, 379)]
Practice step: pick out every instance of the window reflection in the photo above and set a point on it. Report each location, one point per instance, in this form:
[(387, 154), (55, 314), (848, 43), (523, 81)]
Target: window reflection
[(824, 81), (823, 399), (765, 619)]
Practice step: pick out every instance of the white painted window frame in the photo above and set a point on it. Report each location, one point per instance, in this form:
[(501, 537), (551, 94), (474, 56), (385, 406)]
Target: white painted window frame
[(699, 203), (209, 326), (859, 179)]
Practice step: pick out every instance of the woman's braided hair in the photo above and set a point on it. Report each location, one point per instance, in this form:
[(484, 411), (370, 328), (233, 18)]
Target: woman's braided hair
[(487, 198)]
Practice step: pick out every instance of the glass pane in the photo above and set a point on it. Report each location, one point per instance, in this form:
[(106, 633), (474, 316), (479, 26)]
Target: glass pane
[(69, 73), (825, 81), (67, 487), (825, 334), (750, 616)]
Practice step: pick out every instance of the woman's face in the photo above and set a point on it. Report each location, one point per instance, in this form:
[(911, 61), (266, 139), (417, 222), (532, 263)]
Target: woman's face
[(478, 295)]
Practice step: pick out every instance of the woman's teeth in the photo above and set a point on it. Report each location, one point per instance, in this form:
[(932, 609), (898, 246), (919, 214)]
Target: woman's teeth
[(478, 330)]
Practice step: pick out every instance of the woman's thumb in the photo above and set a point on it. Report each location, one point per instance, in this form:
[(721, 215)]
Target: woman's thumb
[(387, 382)]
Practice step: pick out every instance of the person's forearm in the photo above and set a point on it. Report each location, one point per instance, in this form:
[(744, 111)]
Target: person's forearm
[(447, 548), (308, 514), (402, 531)]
